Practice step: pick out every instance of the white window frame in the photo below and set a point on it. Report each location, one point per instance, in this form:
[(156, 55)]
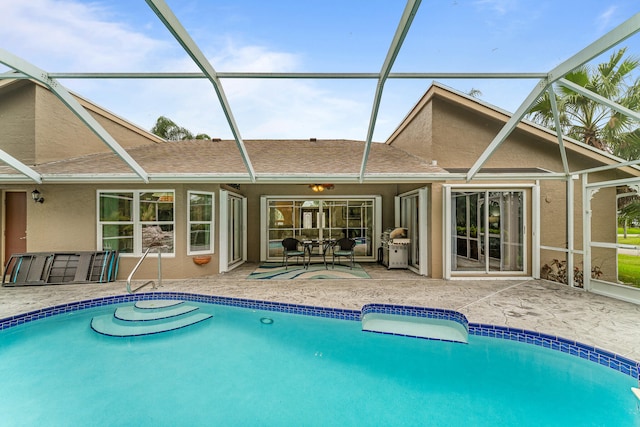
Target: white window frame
[(137, 222), (211, 223), (264, 220), (448, 231)]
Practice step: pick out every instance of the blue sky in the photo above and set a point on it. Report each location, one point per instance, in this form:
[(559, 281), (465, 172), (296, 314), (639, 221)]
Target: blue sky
[(300, 36)]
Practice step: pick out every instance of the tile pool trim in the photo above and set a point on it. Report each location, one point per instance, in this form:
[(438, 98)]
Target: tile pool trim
[(593, 354)]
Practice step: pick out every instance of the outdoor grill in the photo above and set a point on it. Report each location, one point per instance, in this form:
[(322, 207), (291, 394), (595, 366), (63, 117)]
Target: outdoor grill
[(395, 250)]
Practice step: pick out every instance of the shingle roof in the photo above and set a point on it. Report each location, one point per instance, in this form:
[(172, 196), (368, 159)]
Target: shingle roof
[(289, 157)]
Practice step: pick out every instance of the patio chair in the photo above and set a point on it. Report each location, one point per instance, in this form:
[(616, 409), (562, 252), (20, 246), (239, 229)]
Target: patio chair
[(291, 248), (344, 248)]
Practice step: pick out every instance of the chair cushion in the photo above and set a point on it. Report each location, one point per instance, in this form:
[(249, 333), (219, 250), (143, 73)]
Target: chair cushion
[(343, 253), (294, 253)]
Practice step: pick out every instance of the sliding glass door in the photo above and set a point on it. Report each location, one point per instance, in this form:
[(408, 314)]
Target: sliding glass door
[(487, 231), (319, 219)]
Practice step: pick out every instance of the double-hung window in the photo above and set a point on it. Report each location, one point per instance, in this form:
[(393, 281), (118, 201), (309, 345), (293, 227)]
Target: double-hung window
[(200, 223), (132, 221)]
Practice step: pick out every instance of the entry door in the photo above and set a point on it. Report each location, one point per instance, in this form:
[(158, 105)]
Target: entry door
[(15, 240)]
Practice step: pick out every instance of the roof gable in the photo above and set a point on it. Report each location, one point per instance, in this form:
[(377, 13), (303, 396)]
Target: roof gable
[(424, 118)]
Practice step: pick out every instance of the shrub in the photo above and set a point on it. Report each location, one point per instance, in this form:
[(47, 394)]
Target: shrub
[(557, 272)]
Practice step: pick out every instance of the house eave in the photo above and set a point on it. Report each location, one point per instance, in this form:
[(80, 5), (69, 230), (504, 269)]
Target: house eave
[(242, 178)]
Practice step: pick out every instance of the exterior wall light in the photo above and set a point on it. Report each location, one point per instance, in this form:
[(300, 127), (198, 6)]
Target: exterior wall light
[(321, 187), (36, 196)]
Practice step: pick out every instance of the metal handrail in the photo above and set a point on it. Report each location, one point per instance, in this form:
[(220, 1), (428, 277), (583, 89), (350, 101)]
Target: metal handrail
[(138, 265)]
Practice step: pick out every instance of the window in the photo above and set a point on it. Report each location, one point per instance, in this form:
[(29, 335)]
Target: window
[(132, 221), (200, 223), (321, 218)]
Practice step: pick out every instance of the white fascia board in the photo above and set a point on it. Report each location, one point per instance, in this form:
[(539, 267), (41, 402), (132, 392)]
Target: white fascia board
[(282, 179), (153, 178), (16, 179)]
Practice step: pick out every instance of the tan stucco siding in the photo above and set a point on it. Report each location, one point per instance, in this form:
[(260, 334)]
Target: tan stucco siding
[(17, 122), (416, 135), (460, 138), (67, 221), (60, 134)]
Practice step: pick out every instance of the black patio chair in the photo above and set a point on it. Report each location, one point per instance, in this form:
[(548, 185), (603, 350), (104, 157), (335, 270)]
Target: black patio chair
[(344, 248), (291, 248)]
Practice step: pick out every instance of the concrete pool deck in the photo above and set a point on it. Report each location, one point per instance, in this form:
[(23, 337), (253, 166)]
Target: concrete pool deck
[(534, 305)]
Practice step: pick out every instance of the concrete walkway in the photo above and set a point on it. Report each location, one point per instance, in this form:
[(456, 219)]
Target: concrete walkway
[(535, 305)]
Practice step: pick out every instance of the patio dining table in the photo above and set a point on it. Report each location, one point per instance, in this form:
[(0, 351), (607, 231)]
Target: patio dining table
[(310, 253)]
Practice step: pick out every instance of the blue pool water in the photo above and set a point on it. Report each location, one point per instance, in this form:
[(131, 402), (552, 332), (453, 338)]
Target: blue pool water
[(234, 369)]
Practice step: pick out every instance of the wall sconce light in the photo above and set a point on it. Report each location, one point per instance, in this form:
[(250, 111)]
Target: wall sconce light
[(321, 187), (36, 196)]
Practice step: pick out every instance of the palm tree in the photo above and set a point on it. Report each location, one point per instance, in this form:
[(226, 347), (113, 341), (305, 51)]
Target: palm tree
[(167, 129), (597, 124), (589, 121)]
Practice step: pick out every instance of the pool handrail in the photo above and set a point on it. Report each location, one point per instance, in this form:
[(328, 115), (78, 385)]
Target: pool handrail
[(150, 282)]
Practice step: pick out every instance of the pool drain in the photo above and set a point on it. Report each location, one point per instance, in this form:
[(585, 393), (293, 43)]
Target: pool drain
[(266, 321)]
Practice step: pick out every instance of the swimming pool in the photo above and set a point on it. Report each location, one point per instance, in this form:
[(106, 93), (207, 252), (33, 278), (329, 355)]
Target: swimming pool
[(313, 369)]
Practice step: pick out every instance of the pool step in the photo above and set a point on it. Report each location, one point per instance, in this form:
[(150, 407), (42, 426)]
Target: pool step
[(422, 327), (135, 314), (148, 317)]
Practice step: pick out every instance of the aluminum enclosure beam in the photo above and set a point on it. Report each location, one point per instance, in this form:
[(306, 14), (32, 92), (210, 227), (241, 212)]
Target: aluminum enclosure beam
[(612, 38), (600, 99), (36, 73), (409, 13), (282, 75), (174, 26), (556, 119), (609, 167), (20, 167)]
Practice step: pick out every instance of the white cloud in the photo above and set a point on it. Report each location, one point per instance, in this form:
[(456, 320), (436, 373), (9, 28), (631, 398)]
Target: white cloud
[(605, 18), (62, 35), (499, 6)]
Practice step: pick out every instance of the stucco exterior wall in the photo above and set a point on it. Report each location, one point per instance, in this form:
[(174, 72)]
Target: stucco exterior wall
[(67, 221), (416, 137), (17, 121)]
